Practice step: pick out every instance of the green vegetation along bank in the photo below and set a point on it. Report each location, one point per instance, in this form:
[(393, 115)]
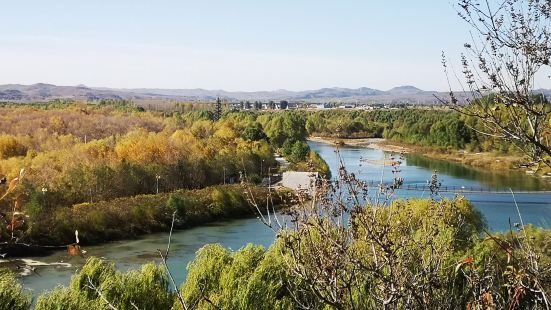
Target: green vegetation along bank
[(441, 134), (438, 252)]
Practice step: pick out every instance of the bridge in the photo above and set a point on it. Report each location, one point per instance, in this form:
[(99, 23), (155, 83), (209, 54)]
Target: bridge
[(461, 189), (469, 189)]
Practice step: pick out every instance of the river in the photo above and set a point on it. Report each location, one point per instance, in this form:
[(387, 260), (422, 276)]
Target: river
[(498, 209)]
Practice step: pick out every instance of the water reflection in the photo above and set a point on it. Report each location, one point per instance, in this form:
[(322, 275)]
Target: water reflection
[(497, 180)]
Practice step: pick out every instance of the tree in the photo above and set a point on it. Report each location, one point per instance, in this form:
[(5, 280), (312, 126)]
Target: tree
[(511, 45), (218, 109), (257, 105), (299, 151), (254, 132)]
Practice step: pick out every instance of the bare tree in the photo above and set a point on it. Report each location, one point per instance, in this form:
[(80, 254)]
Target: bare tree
[(510, 48), (348, 246)]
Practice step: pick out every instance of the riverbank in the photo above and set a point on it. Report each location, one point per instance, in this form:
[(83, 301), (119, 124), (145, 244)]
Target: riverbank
[(483, 160), (373, 143), (130, 217)]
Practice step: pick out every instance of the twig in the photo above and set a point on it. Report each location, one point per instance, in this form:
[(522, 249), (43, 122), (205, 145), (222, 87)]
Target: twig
[(98, 291), (204, 297), (134, 305), (164, 258)]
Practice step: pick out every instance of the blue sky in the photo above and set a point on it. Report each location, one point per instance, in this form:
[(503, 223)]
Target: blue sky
[(232, 45)]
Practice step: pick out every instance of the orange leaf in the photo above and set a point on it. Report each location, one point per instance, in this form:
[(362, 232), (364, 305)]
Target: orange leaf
[(468, 261), (74, 250), (13, 184), (488, 299)]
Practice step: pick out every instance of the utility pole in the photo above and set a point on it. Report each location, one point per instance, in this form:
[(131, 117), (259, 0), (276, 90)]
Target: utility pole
[(44, 191), (261, 163), (157, 177)]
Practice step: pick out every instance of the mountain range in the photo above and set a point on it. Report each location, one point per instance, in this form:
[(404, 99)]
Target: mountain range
[(44, 92)]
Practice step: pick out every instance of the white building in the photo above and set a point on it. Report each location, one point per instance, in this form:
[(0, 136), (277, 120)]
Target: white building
[(300, 181)]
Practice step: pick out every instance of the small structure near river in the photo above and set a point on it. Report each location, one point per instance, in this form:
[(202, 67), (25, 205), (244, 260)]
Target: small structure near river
[(300, 181)]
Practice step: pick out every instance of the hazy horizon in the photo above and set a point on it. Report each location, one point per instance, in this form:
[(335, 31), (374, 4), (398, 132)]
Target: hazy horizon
[(208, 89)]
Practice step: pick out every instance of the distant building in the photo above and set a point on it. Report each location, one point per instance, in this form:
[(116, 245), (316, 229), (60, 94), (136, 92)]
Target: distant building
[(346, 106), (323, 106)]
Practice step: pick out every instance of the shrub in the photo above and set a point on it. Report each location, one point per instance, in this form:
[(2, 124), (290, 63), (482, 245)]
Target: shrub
[(12, 296), (147, 288), (10, 146)]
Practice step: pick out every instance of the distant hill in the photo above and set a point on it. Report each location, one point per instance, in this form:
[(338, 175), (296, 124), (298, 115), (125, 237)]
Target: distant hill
[(405, 90), (45, 92)]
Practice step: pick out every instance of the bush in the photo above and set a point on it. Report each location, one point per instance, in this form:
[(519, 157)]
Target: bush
[(249, 278), (147, 288), (9, 147), (12, 296)]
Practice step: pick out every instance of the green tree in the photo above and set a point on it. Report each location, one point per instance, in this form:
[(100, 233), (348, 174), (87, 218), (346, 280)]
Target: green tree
[(254, 132)]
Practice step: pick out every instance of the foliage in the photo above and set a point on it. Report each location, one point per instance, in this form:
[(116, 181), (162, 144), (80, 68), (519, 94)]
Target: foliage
[(254, 132), (12, 296), (134, 162), (510, 48), (510, 270), (417, 253), (147, 288), (295, 151), (395, 256), (433, 128), (129, 217), (282, 127), (344, 124), (10, 147), (313, 162), (247, 279)]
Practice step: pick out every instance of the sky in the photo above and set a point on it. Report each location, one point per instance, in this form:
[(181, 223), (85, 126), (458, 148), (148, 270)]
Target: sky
[(232, 45)]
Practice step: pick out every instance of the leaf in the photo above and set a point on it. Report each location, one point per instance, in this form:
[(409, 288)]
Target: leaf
[(468, 261), (11, 187), (488, 299), (13, 184)]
